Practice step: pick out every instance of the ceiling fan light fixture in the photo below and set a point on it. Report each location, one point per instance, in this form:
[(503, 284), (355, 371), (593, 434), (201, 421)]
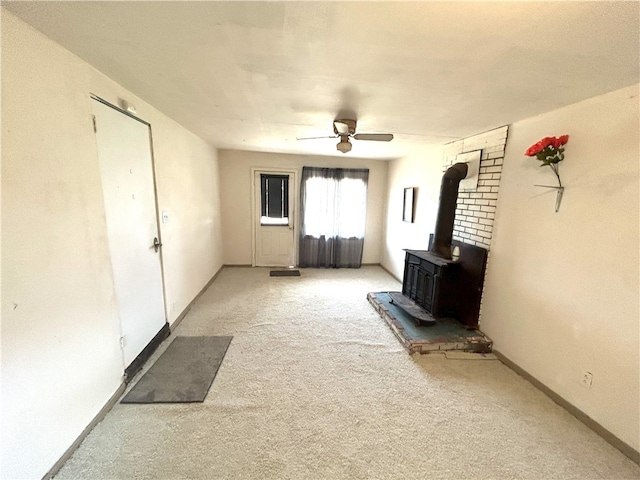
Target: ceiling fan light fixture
[(345, 130), (344, 145)]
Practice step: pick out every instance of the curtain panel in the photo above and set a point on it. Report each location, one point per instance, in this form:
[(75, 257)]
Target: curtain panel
[(333, 207)]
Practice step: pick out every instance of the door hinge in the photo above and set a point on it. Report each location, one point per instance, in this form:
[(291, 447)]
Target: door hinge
[(122, 342), (95, 128)]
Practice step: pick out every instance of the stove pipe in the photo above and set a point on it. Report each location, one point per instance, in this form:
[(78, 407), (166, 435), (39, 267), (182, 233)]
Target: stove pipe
[(441, 245)]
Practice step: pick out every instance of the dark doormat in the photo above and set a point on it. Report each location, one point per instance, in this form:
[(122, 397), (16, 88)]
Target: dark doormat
[(284, 273), (183, 373)]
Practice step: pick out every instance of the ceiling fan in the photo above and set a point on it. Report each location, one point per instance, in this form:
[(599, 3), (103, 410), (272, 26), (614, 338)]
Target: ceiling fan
[(345, 129)]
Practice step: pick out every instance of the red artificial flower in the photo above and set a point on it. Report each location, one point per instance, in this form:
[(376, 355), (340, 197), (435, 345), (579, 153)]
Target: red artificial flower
[(546, 141), (555, 142), (533, 150)]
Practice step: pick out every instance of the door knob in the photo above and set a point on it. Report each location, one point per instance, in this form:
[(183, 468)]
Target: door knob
[(156, 244)]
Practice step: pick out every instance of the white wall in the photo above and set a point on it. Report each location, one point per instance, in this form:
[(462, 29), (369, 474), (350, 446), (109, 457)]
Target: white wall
[(424, 171), (562, 289), (188, 184), (61, 360), (561, 293), (235, 184)]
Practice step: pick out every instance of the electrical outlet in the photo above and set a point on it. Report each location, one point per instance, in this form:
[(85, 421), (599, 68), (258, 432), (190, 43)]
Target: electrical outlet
[(165, 216), (586, 379)]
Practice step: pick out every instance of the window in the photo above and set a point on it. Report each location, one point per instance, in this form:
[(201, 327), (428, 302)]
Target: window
[(335, 208), (333, 214), (274, 199)]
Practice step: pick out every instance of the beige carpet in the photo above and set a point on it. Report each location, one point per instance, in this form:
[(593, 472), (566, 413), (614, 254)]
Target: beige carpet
[(315, 386)]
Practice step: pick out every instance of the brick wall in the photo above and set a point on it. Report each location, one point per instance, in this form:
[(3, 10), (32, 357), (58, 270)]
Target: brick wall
[(476, 209)]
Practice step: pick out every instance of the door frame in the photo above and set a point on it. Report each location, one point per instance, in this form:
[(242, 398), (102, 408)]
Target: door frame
[(164, 332), (294, 219)]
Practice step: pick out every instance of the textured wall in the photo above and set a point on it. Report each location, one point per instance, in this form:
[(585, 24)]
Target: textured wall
[(424, 171), (61, 360), (561, 294)]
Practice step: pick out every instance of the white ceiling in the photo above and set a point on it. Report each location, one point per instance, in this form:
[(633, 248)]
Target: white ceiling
[(256, 75)]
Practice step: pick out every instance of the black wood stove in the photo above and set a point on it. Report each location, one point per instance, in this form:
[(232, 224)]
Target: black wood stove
[(430, 281), (442, 285)]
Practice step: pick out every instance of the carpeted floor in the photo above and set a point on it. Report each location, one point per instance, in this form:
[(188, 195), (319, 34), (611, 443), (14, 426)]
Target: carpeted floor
[(315, 386)]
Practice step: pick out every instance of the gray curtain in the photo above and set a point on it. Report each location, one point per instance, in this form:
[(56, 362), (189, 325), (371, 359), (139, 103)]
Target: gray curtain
[(333, 208)]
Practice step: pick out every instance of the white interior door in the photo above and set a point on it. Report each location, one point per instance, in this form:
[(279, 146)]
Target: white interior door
[(274, 232), (124, 151)]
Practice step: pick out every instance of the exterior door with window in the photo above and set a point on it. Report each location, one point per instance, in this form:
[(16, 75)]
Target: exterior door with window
[(274, 218)]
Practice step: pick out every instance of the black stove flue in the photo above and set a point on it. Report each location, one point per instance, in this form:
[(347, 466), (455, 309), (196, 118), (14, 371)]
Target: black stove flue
[(443, 235)]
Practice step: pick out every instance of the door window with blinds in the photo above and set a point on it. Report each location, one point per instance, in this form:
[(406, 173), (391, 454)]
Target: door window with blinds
[(274, 199)]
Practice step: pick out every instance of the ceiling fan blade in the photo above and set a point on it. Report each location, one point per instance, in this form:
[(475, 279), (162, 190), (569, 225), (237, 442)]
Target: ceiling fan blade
[(378, 137), (340, 128), (313, 138)]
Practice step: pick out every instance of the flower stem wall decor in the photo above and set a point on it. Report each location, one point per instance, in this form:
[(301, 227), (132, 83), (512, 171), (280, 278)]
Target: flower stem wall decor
[(550, 151)]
